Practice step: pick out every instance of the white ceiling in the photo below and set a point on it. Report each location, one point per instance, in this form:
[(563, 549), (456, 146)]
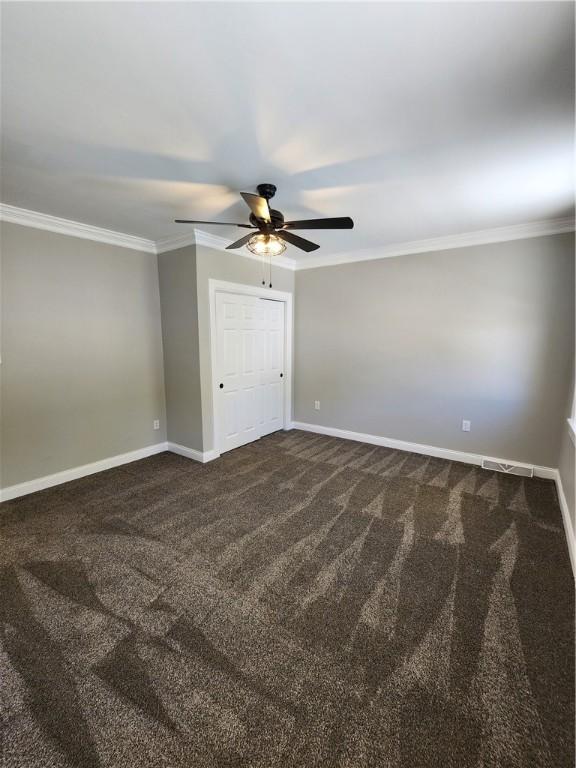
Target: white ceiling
[(419, 120)]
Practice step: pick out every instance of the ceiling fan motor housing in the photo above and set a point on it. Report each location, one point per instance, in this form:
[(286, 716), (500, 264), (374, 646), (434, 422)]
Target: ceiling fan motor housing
[(277, 220), (266, 190)]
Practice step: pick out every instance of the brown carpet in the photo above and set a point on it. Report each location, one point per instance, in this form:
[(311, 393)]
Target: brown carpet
[(303, 601)]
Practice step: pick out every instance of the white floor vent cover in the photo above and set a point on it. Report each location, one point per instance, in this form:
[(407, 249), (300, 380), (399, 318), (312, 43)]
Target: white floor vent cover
[(509, 469)]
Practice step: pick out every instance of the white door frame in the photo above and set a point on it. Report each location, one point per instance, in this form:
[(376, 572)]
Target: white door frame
[(221, 286)]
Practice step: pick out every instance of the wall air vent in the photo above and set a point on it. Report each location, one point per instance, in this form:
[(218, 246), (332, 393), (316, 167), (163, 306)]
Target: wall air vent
[(509, 469)]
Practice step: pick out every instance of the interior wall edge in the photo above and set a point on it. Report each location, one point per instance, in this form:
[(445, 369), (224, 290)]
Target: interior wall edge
[(567, 520), (179, 322), (191, 453)]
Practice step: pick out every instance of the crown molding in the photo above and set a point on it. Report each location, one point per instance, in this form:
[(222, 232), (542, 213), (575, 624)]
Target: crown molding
[(173, 243), (464, 240), (211, 240), (26, 218)]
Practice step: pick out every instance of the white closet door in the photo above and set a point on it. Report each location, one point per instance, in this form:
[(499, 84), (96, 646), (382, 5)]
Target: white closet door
[(271, 364), (250, 368), (237, 387)]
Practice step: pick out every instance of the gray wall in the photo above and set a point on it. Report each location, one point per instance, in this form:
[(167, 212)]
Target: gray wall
[(408, 347), (567, 457), (567, 467), (403, 348), (177, 273), (233, 268), (81, 342)]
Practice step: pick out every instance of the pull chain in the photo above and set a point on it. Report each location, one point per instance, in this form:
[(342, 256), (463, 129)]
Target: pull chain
[(263, 262), (270, 270)]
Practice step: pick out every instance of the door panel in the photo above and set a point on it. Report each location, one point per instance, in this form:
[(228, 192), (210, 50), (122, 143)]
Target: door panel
[(229, 412), (249, 363), (236, 400), (230, 352), (272, 383), (276, 404)]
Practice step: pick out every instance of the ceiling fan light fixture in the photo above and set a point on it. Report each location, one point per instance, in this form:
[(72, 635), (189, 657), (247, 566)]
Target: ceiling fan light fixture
[(274, 231), (266, 245)]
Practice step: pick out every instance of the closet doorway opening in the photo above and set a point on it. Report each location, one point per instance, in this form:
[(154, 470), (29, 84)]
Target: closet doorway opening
[(251, 350)]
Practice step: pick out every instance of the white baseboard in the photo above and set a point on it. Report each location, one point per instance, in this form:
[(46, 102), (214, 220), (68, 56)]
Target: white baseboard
[(192, 453), (568, 527), (427, 450), (40, 483)]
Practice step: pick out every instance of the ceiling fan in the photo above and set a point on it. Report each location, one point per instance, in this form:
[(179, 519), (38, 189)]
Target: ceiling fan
[(273, 232)]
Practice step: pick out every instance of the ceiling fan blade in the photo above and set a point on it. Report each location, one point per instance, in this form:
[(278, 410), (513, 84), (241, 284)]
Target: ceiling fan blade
[(239, 243), (223, 223), (299, 242), (342, 222), (258, 205)]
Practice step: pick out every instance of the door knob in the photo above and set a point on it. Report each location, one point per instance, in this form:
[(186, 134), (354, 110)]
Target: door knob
[(281, 375), (221, 386)]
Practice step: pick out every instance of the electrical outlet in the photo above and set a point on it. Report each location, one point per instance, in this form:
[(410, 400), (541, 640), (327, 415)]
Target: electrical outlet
[(316, 405), (466, 425), (156, 424)]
